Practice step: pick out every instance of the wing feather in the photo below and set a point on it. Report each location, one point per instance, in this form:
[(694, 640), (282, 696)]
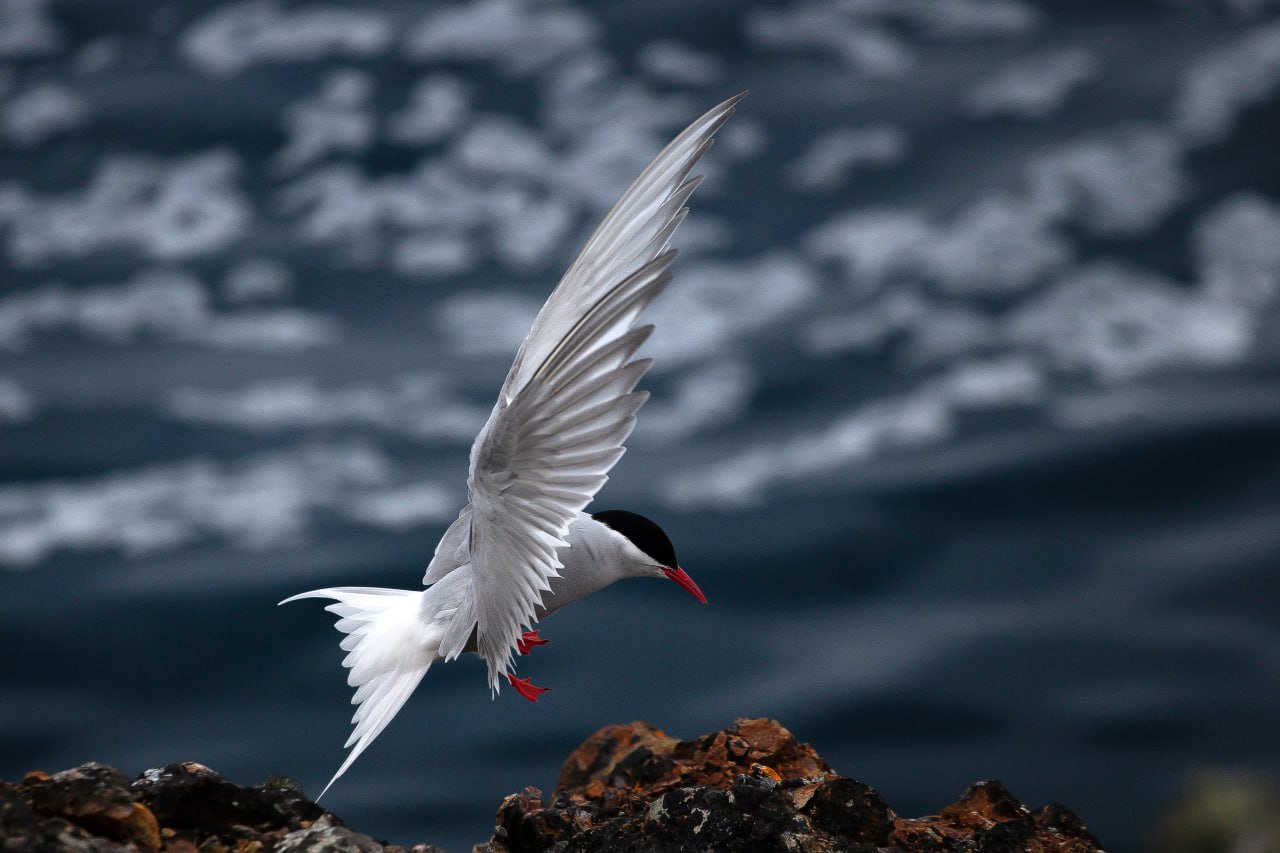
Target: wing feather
[(567, 406)]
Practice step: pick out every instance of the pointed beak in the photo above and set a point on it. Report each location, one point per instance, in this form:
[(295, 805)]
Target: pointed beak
[(681, 577)]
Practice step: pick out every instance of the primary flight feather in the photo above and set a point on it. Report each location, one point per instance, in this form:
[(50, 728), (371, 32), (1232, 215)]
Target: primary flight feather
[(523, 546)]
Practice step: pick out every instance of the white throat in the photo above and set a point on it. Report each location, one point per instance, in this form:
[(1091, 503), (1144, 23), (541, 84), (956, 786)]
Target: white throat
[(596, 557)]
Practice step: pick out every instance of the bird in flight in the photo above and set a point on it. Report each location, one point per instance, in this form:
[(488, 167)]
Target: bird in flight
[(524, 546)]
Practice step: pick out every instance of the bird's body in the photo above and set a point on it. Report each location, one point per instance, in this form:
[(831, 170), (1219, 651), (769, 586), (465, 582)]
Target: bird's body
[(523, 547)]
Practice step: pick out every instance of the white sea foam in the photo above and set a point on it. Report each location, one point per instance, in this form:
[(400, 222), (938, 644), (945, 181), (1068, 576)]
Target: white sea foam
[(438, 106), (99, 55), (960, 20), (520, 38), (1237, 248), (26, 28), (502, 189), (505, 317), (337, 119), (1035, 87), (501, 146), (837, 154), (864, 34), (708, 396), (1118, 182), (257, 280), (167, 210), (861, 45), (947, 330), (869, 325), (434, 253), (673, 62), (42, 112), (403, 507), (1116, 323), (267, 500), (266, 330), (340, 206), (166, 304), (16, 403), (1014, 379), (923, 416), (743, 477), (419, 406), (719, 302), (999, 244), (1226, 81), (233, 38), (871, 245)]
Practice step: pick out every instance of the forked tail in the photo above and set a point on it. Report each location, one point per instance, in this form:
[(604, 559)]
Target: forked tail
[(390, 648)]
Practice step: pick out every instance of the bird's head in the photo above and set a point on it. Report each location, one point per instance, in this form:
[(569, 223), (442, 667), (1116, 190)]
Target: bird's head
[(648, 548)]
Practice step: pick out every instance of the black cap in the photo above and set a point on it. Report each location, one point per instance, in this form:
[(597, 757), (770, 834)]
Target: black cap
[(642, 532)]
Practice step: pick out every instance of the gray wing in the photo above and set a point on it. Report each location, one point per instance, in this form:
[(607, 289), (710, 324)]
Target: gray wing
[(567, 406)]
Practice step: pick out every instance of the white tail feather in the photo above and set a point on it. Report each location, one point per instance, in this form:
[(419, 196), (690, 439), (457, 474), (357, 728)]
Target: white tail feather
[(389, 648)]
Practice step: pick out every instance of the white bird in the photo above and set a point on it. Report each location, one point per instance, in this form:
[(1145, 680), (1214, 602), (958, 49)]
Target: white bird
[(523, 547)]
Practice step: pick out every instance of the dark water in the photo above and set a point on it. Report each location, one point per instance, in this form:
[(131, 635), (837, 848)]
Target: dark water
[(965, 414)]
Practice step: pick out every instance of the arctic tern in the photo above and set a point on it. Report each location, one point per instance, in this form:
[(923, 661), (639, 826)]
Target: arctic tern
[(523, 547)]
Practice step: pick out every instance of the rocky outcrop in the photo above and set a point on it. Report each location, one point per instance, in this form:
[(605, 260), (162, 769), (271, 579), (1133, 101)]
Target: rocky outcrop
[(753, 787), (180, 808), (750, 787)]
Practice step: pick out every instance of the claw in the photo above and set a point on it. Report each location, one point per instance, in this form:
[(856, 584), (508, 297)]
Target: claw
[(525, 689), (528, 640)]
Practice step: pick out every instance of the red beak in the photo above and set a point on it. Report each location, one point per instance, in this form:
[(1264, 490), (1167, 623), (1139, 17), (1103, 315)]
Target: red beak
[(681, 577)]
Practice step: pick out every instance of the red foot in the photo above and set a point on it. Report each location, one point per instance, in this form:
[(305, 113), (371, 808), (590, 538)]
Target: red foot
[(528, 640), (525, 689)]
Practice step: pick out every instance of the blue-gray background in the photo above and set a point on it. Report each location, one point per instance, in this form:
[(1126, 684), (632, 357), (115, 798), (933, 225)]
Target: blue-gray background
[(965, 412)]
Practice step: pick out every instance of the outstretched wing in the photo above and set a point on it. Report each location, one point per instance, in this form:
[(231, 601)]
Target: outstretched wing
[(568, 403)]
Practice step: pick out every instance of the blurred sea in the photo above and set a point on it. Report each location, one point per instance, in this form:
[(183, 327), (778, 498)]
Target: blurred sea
[(965, 411)]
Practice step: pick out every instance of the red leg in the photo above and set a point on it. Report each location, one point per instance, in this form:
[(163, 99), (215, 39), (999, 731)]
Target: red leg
[(525, 689), (528, 640)]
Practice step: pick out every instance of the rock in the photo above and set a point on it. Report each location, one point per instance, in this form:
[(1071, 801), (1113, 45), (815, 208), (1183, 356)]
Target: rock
[(326, 837), (96, 798), (852, 810), (632, 789), (753, 787), (178, 808), (191, 796), (23, 830), (640, 756)]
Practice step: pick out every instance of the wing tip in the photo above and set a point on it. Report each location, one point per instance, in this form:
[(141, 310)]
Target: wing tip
[(722, 111), (314, 593)]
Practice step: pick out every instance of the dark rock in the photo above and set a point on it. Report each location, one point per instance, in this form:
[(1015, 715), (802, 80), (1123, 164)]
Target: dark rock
[(23, 830), (179, 808), (1057, 818), (752, 787), (327, 837), (96, 799), (191, 796), (89, 790), (983, 803), (852, 810)]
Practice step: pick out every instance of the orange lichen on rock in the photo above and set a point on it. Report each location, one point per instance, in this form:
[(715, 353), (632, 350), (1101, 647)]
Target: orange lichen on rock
[(753, 786), (648, 762)]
